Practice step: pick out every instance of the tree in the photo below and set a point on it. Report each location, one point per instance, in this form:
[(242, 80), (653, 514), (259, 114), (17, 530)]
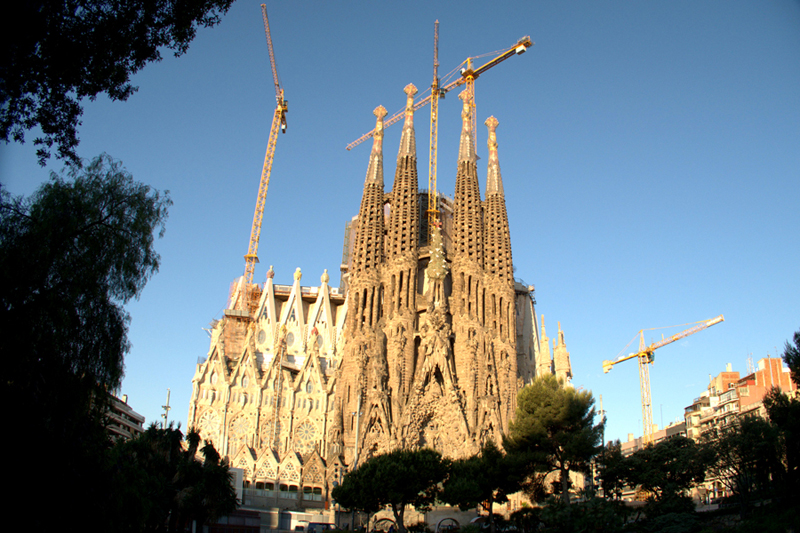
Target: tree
[(483, 479), (56, 53), (70, 256), (666, 470), (160, 485), (743, 456), (791, 356), (784, 412), (554, 427), (612, 470), (397, 479)]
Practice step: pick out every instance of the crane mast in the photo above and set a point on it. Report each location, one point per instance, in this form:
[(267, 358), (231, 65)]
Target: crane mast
[(468, 76), (433, 194), (278, 122), (645, 357)]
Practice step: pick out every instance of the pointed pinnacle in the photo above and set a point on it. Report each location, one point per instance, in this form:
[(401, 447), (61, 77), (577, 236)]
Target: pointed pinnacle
[(375, 168), (466, 148), (408, 143), (494, 181)]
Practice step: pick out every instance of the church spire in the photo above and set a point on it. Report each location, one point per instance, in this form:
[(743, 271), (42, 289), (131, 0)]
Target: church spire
[(467, 208), (368, 249), (408, 144), (375, 168), (466, 147), (544, 364), (497, 248), (403, 228), (561, 359), (494, 182)]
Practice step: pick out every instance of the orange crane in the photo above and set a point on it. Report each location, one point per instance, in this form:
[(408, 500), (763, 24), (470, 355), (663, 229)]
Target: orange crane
[(646, 357), (468, 76), (278, 122)]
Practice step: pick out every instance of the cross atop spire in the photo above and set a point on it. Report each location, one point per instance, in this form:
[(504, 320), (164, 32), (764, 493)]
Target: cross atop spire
[(408, 144), (466, 148), (494, 182), (375, 168)]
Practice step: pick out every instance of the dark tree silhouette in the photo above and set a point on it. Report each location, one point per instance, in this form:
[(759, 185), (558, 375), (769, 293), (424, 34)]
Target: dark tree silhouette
[(70, 257), (57, 52), (397, 479), (161, 486), (791, 356), (483, 479), (744, 456)]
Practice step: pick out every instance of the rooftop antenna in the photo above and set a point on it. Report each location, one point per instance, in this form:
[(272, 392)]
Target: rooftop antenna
[(166, 409)]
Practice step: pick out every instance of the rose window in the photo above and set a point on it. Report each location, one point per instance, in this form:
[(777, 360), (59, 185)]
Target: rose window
[(306, 437), (208, 426)]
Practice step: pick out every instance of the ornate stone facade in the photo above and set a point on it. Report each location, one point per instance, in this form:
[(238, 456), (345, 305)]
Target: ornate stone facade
[(425, 344)]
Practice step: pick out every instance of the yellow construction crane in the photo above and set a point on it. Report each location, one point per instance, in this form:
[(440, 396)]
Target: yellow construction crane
[(433, 194), (468, 76), (646, 357), (278, 121)]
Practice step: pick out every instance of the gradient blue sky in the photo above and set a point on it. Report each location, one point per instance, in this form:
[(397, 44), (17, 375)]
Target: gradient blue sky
[(650, 154)]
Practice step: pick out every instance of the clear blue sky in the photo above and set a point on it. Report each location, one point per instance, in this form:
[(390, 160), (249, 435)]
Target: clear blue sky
[(650, 154)]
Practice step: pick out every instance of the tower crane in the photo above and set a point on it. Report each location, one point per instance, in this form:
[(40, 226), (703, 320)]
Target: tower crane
[(468, 76), (646, 357), (278, 122), (433, 194)]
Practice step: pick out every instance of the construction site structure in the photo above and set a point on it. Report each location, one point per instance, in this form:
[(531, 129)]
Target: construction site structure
[(425, 343), (646, 357), (248, 300), (468, 76), (433, 193)]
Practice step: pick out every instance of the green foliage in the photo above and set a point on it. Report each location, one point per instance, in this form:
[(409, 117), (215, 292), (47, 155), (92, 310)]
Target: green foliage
[(612, 470), (483, 479), (525, 520), (777, 517), (791, 356), (784, 413), (744, 456), (675, 522), (554, 429), (160, 485), (397, 479), (591, 514), (666, 469), (669, 504), (56, 53), (70, 256), (419, 527)]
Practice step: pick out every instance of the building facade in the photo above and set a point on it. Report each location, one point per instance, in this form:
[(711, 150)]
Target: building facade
[(426, 342), (730, 396), (122, 422)]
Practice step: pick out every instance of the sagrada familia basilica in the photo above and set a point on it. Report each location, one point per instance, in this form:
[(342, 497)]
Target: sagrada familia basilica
[(426, 342)]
